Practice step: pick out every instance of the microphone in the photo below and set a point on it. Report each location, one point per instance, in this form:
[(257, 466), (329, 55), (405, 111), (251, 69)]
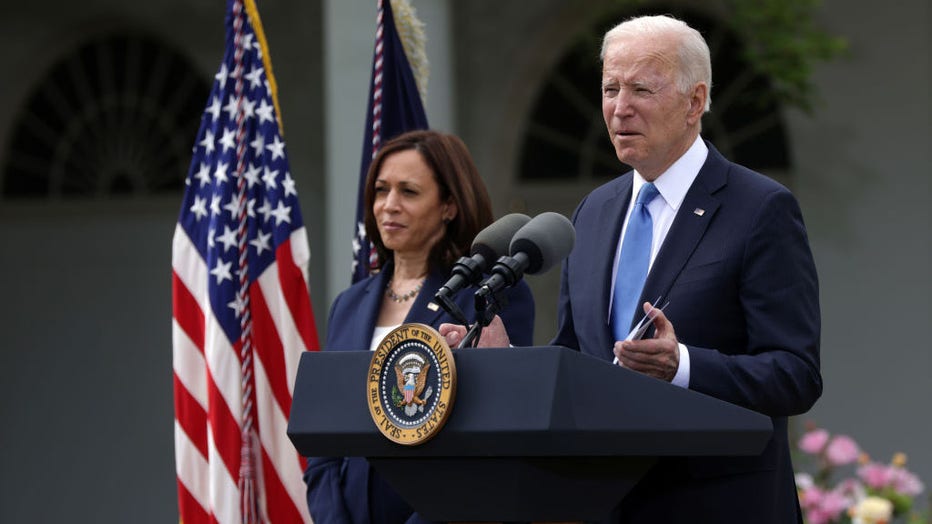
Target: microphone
[(491, 243), (535, 248)]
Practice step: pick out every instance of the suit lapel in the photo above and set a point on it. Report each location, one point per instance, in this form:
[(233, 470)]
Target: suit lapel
[(689, 225), (424, 310), (368, 310), (611, 217), (370, 300)]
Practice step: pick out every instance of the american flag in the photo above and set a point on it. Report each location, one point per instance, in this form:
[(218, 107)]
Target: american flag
[(242, 311), (394, 107)]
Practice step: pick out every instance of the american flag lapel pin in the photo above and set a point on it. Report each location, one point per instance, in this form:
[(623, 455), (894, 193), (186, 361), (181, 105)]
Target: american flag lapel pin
[(699, 211), (433, 306)]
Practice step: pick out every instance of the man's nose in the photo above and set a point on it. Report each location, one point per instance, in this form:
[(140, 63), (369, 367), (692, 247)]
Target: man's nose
[(622, 103)]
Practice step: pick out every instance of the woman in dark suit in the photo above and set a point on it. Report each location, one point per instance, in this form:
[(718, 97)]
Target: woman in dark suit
[(424, 204)]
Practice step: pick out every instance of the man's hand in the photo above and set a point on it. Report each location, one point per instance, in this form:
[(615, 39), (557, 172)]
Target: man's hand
[(493, 336), (659, 356), (452, 333)]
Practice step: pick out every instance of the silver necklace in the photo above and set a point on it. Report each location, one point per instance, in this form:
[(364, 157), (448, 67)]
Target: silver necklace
[(405, 297)]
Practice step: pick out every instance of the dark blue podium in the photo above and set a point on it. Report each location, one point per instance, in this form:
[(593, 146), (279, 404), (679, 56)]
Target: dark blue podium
[(536, 434)]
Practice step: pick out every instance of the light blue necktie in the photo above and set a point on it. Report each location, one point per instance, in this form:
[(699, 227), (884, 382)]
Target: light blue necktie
[(633, 263)]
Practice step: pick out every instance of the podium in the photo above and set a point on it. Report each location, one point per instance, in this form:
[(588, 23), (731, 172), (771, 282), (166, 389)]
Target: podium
[(535, 434)]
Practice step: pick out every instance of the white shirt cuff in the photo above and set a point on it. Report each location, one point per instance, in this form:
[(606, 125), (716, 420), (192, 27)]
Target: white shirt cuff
[(681, 378)]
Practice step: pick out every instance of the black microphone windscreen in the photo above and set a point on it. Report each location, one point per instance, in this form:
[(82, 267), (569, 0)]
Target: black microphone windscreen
[(547, 239), (494, 241)]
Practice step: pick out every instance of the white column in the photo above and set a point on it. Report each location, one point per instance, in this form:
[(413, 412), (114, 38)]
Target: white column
[(349, 34), (441, 92)]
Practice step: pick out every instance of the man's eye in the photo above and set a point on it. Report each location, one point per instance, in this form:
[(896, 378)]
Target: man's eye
[(609, 91)]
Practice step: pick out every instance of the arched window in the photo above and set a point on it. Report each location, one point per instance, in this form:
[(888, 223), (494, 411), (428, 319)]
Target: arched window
[(118, 116), (565, 137)]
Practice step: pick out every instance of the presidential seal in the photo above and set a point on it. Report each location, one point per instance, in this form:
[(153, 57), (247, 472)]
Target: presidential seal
[(412, 384)]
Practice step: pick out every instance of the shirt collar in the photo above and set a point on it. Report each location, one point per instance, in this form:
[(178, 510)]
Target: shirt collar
[(675, 181)]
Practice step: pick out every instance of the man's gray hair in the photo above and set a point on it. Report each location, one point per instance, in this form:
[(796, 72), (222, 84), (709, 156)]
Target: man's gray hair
[(693, 58)]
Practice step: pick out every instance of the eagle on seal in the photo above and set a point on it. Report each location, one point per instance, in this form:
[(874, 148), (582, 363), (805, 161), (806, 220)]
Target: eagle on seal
[(411, 375)]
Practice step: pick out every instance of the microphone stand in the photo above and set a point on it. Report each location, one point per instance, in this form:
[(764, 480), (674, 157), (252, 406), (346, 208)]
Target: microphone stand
[(468, 271), (451, 308), (473, 334), (488, 304)]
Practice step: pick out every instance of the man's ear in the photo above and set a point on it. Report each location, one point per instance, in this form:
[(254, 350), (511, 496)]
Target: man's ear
[(697, 98)]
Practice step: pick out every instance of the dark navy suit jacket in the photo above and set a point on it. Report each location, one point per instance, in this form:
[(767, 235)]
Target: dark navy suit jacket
[(346, 489), (741, 282)]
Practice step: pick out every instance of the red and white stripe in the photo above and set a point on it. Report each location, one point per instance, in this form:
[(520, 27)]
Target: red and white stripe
[(209, 393)]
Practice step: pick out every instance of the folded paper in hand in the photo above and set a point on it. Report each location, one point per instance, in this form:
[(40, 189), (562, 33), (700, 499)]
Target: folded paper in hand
[(646, 321)]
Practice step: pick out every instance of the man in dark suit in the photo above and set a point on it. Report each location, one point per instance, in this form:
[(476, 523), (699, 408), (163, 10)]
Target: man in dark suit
[(725, 247)]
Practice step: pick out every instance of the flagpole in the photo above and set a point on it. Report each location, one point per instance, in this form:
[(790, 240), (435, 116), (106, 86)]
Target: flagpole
[(394, 106), (241, 307)]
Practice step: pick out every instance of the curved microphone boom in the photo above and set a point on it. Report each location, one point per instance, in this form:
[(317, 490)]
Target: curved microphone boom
[(535, 248), (490, 244)]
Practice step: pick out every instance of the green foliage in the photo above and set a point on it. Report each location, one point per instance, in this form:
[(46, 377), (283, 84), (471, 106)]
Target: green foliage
[(921, 518), (901, 503), (783, 42), (397, 398)]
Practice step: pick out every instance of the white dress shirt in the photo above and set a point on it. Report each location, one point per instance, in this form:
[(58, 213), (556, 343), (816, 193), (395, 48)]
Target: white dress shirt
[(378, 333), (672, 185)]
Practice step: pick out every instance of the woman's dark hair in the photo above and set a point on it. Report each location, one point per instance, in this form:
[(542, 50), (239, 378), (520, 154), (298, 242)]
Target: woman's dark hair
[(458, 179)]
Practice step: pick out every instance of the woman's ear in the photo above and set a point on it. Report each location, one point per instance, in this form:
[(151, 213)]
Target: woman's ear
[(448, 211)]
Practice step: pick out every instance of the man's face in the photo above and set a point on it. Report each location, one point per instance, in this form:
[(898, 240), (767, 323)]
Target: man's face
[(649, 121)]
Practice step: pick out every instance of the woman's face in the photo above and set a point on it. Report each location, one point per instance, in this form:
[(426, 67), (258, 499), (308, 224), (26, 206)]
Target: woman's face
[(407, 206)]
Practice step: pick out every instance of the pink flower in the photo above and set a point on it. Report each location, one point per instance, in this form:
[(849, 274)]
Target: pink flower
[(851, 489), (876, 476), (865, 498), (814, 441), (811, 498), (905, 482), (823, 507), (833, 504), (842, 450), (818, 516)]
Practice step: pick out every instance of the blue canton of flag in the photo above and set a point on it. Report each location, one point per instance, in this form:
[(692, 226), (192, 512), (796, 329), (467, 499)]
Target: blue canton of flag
[(211, 203), (394, 107)]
